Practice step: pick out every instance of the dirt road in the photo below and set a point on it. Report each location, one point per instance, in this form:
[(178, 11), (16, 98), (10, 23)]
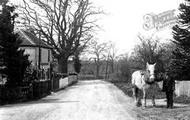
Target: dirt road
[(87, 100)]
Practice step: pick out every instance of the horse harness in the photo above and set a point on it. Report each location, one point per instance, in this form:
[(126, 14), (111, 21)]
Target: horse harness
[(147, 79)]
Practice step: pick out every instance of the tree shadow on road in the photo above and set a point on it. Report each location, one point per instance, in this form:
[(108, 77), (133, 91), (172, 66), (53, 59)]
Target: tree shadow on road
[(42, 101)]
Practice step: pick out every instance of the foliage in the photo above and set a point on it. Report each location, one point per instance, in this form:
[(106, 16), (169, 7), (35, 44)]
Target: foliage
[(31, 74), (3, 2), (180, 63), (125, 67), (13, 60), (11, 95)]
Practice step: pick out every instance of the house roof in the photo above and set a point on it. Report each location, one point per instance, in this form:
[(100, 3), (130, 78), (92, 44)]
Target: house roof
[(30, 40)]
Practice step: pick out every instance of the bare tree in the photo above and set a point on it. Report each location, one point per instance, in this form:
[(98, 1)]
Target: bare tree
[(65, 24), (112, 56), (110, 59), (98, 51), (149, 50)]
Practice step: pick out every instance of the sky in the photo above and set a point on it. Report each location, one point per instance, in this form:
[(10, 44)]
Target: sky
[(124, 21)]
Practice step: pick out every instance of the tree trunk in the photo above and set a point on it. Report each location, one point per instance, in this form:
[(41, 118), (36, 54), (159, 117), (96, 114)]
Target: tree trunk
[(62, 65), (106, 75), (97, 70), (112, 66)]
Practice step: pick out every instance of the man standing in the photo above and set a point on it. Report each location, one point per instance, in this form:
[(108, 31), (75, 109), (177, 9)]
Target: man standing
[(169, 87)]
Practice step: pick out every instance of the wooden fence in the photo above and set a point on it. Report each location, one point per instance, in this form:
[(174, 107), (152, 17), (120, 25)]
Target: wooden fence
[(37, 89), (18, 94), (41, 88)]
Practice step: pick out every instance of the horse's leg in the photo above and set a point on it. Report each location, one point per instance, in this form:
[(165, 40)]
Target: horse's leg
[(153, 100), (135, 93), (138, 98), (154, 91), (133, 89), (144, 97)]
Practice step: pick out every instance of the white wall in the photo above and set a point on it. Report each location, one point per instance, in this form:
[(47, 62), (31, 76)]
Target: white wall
[(182, 88), (72, 79), (63, 82)]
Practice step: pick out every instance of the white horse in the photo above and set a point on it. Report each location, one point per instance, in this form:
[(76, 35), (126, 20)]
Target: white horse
[(143, 80)]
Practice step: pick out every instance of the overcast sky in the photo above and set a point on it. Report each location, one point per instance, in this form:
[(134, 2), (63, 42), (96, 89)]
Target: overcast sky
[(125, 20)]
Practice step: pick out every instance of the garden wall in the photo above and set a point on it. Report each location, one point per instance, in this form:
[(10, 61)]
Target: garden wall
[(64, 82), (182, 88)]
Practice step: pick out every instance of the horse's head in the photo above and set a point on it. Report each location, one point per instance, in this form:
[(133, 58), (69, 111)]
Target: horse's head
[(150, 68)]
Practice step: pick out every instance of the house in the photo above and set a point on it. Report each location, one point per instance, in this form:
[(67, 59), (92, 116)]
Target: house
[(40, 53)]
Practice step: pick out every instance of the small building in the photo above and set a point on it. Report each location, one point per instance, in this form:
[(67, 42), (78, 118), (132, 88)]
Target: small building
[(40, 53)]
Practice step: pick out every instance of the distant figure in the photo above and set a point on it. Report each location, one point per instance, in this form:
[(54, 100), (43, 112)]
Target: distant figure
[(169, 87)]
